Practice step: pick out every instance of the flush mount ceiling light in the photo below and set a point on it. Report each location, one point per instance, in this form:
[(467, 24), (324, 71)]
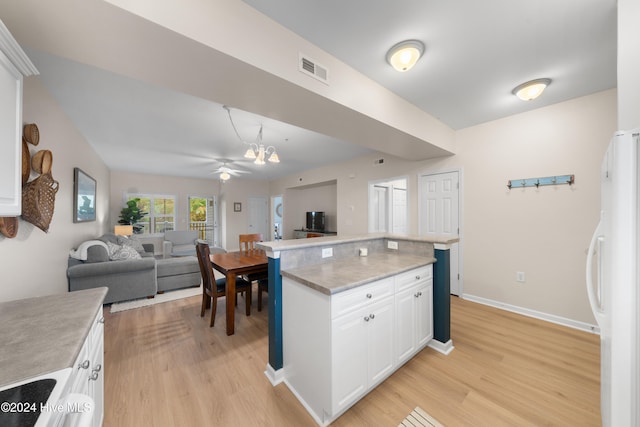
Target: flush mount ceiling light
[(256, 150), (531, 90), (404, 55)]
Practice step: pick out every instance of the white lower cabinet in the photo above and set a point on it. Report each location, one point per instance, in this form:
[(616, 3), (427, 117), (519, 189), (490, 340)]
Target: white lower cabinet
[(414, 325), (362, 355), (87, 377), (337, 348)]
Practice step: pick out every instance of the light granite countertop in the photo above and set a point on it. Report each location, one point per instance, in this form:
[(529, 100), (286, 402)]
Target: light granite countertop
[(292, 244), (343, 274), (45, 334)]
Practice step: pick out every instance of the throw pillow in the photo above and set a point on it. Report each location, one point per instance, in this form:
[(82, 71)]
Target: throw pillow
[(112, 248), (131, 241), (125, 253)]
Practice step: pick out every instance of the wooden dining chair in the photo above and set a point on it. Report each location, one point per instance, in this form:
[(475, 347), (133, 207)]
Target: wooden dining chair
[(212, 289), (247, 242)]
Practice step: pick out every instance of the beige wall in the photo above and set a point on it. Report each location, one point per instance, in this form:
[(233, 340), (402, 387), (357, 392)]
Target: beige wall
[(34, 263), (235, 223), (235, 190), (298, 201), (543, 232)]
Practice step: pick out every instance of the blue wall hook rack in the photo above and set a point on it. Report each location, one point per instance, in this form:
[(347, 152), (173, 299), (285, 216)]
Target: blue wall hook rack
[(538, 182)]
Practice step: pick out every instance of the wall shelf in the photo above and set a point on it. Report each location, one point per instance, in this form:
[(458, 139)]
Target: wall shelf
[(538, 182)]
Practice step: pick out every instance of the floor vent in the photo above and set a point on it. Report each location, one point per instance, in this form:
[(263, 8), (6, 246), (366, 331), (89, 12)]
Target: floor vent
[(313, 69)]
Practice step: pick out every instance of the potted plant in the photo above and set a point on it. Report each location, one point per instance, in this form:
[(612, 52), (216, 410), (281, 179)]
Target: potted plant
[(131, 215)]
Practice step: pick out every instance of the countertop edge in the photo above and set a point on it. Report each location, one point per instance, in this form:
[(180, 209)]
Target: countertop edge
[(292, 244), (294, 274)]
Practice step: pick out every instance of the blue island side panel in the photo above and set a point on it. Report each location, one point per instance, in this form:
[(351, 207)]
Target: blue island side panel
[(442, 296), (275, 314)]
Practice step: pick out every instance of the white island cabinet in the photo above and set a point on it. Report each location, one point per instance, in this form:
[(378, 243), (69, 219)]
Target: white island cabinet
[(414, 302), (337, 347)]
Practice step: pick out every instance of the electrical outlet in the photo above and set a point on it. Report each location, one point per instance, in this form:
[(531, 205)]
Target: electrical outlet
[(327, 252), (520, 276), (392, 245)]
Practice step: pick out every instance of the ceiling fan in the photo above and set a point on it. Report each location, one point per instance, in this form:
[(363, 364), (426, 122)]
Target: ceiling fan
[(226, 172)]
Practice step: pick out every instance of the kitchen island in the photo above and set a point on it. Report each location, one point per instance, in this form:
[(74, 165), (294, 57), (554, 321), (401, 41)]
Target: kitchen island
[(332, 267), (349, 324)]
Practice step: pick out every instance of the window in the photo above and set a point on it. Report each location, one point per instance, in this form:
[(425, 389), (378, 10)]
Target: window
[(202, 212), (160, 209)]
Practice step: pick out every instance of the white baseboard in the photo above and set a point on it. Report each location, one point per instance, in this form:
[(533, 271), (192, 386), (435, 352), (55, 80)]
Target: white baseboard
[(575, 324), (444, 348), (275, 377)]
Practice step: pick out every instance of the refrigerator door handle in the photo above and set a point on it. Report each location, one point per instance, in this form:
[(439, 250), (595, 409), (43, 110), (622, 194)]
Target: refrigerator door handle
[(594, 300)]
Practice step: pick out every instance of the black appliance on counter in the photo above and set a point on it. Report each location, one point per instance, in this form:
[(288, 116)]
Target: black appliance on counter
[(315, 221)]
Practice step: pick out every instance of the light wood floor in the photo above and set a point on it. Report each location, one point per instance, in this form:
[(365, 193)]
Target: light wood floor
[(165, 367)]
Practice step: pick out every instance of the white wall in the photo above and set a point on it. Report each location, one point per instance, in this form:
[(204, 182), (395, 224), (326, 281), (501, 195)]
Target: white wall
[(543, 232), (35, 263)]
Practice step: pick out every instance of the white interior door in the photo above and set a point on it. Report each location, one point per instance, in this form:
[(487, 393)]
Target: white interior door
[(440, 215), (258, 215)]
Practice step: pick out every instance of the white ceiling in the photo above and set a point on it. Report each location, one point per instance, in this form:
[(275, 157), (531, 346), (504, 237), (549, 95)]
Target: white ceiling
[(476, 52)]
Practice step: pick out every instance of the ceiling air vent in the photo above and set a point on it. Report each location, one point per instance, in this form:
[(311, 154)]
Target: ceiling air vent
[(312, 68)]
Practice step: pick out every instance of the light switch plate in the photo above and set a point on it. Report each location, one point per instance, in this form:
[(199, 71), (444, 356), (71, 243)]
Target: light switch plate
[(327, 252), (392, 245)]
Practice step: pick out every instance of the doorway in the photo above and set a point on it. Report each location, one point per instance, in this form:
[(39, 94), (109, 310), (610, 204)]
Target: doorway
[(388, 206), (203, 214), (258, 216), (439, 215), (276, 214)]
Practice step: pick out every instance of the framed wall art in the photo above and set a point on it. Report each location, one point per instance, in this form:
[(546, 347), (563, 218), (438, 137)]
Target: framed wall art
[(84, 197)]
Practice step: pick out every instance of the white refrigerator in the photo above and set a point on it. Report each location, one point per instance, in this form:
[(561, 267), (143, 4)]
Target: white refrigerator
[(612, 283)]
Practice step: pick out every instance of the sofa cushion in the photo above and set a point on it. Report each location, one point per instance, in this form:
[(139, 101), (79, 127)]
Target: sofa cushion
[(176, 266), (132, 242), (181, 237)]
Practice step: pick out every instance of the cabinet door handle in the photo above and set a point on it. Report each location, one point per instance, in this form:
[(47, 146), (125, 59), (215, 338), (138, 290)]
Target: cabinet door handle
[(97, 368), (366, 318), (418, 277), (101, 320), (84, 365), (416, 295), (94, 376), (419, 294), (372, 316), (369, 296)]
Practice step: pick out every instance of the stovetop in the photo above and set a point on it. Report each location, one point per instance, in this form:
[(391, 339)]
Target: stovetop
[(20, 406)]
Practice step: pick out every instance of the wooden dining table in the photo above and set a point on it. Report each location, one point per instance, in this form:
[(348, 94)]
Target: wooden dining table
[(233, 264)]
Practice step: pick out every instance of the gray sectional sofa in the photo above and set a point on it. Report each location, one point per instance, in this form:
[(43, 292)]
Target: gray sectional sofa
[(128, 279)]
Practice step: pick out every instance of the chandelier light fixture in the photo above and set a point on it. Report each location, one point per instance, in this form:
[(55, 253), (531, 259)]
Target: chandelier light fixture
[(256, 150), (531, 89), (259, 153), (404, 55)]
